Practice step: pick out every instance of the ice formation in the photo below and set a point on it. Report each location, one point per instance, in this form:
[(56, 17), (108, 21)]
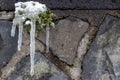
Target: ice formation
[(47, 38), (23, 11), (32, 46)]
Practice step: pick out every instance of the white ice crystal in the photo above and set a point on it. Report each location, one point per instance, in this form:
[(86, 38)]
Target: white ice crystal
[(24, 10)]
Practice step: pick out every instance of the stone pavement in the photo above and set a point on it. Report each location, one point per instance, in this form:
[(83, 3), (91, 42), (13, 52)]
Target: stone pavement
[(85, 45)]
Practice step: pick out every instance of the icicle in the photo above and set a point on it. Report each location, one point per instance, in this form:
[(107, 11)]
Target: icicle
[(20, 36), (13, 29), (29, 10), (47, 38), (32, 46)]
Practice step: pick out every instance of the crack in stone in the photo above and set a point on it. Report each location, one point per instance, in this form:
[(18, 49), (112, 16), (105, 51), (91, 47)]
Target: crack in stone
[(55, 60)]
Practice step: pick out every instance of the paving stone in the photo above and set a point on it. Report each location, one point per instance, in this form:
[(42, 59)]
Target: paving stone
[(44, 70), (102, 62), (7, 43), (64, 39)]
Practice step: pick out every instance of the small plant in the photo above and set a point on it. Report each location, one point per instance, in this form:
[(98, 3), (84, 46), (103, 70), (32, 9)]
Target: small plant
[(32, 16)]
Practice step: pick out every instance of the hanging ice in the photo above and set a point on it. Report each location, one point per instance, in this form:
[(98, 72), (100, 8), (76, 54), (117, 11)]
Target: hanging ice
[(18, 21), (32, 46), (20, 36), (28, 10), (47, 38), (13, 29)]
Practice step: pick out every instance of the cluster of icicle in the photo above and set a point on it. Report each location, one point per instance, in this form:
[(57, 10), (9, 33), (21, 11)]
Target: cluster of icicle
[(24, 10)]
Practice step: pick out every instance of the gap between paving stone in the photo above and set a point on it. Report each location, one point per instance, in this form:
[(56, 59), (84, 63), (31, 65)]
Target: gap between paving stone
[(84, 44), (54, 59)]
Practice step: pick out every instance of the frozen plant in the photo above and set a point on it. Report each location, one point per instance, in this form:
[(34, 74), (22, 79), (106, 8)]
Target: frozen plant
[(36, 16)]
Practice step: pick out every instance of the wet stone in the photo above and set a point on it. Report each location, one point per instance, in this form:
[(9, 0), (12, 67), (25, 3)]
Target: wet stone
[(102, 62)]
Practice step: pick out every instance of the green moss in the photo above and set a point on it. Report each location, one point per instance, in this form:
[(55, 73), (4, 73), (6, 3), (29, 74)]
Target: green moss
[(44, 19)]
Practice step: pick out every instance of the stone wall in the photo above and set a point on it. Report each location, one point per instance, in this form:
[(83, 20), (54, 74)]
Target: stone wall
[(85, 45)]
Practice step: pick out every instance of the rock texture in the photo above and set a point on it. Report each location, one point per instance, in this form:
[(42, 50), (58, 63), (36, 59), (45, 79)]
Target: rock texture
[(71, 56), (102, 62), (44, 70), (67, 4), (62, 41), (7, 43)]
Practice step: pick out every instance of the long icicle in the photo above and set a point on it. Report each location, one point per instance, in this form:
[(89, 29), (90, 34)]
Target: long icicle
[(47, 38), (20, 36), (32, 46)]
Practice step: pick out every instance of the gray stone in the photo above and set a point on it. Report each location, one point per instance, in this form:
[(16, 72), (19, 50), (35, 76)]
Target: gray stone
[(64, 39), (44, 70), (67, 4), (102, 62), (7, 43)]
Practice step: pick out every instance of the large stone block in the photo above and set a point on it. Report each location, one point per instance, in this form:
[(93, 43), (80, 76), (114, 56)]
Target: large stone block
[(102, 62)]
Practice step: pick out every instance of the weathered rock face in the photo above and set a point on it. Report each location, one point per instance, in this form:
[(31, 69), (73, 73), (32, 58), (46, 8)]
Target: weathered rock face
[(67, 4), (7, 43), (65, 37), (102, 62), (44, 70)]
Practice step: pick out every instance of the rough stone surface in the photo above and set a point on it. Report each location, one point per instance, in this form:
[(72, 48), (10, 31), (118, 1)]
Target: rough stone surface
[(44, 70), (102, 62), (67, 4), (62, 41), (7, 43)]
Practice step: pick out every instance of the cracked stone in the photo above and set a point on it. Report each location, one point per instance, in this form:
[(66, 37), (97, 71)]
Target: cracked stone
[(7, 43), (64, 39), (44, 70), (102, 62)]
